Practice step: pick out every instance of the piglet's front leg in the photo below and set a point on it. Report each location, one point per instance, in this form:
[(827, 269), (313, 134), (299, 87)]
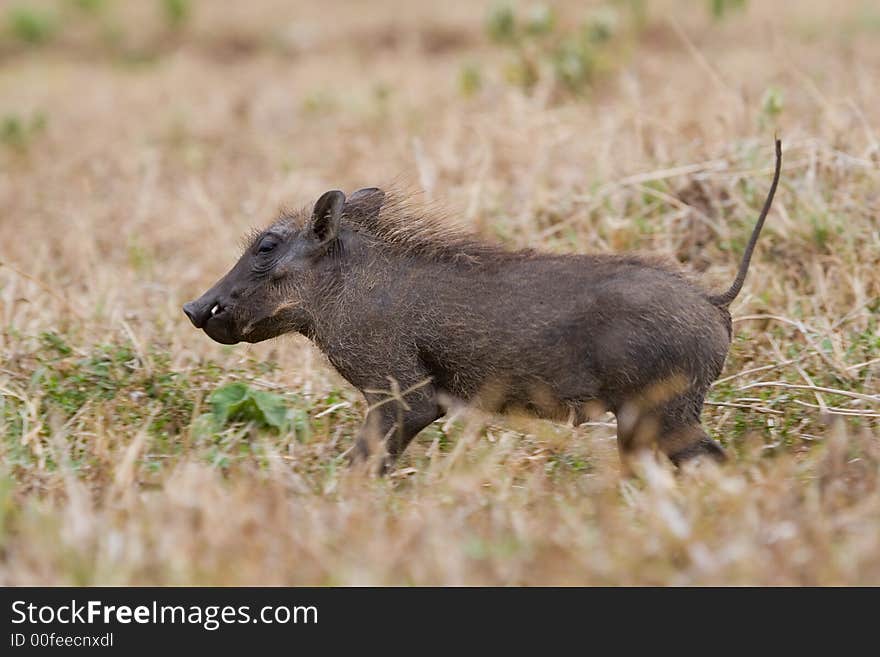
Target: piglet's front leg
[(393, 419)]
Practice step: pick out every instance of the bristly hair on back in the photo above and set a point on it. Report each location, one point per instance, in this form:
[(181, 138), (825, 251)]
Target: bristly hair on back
[(414, 227), (410, 226)]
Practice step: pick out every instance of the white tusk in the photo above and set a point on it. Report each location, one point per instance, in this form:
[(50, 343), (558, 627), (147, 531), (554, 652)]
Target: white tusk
[(215, 309)]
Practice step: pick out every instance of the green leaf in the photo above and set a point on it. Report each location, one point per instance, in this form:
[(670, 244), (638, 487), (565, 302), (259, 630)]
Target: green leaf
[(238, 401), (272, 408), (56, 342), (228, 400)]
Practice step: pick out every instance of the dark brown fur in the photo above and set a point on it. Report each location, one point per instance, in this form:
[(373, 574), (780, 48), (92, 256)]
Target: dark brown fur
[(412, 312)]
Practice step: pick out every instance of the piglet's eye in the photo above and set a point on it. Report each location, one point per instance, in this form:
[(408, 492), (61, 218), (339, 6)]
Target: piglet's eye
[(267, 245)]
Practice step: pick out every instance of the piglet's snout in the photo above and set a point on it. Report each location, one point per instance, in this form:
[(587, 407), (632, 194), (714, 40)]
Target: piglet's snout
[(200, 311)]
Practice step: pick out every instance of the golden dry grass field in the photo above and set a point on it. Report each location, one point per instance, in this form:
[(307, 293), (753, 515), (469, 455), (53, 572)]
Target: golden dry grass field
[(141, 140)]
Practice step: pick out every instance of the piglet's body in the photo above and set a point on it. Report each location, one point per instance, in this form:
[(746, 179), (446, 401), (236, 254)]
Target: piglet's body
[(414, 313)]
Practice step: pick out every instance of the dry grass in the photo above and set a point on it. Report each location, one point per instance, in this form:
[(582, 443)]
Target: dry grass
[(129, 196)]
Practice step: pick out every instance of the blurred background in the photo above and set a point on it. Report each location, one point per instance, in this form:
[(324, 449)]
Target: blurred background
[(209, 115), (141, 139)]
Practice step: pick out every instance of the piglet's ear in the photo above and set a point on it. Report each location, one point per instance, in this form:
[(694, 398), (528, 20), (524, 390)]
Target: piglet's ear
[(365, 202), (326, 215)]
